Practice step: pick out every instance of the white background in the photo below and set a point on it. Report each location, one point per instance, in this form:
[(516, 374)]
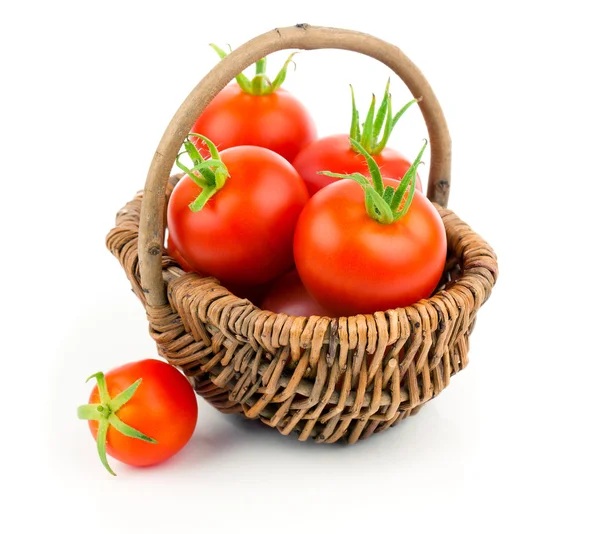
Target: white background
[(86, 92)]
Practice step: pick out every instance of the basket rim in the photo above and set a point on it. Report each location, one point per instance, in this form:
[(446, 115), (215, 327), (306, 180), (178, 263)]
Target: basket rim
[(470, 290), (471, 272)]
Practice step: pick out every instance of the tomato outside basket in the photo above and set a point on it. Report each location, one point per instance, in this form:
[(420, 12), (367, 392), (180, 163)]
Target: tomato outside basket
[(320, 378)]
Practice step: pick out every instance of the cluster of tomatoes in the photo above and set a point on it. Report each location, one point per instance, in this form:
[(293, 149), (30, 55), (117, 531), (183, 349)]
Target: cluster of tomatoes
[(330, 226)]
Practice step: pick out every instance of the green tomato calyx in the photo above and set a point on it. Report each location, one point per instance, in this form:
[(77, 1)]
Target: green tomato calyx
[(377, 123), (384, 204), (209, 175), (106, 415), (260, 85)]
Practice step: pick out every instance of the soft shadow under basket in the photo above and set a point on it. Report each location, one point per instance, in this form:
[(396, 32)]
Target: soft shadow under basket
[(286, 371)]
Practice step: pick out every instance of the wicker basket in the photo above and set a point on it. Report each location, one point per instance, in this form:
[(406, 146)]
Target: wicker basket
[(321, 378)]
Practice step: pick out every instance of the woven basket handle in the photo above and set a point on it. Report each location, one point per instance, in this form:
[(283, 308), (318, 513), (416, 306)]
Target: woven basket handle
[(301, 36)]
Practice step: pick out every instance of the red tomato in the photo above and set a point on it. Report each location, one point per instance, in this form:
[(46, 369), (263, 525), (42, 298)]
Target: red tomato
[(333, 153), (163, 407), (352, 264), (253, 293), (244, 234), (277, 121), (176, 255), (288, 295)]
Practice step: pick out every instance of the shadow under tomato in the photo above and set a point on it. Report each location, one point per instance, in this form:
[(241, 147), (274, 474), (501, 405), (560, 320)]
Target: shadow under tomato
[(204, 446)]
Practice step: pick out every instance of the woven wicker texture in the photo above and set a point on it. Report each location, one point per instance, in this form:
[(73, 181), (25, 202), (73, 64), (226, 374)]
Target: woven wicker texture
[(322, 378)]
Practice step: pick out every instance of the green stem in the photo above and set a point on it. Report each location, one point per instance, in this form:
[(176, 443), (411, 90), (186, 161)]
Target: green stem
[(354, 125), (410, 178), (209, 175), (127, 430), (241, 78), (377, 207), (101, 444), (222, 54), (124, 396), (373, 167), (260, 85), (201, 200), (201, 179), (106, 415), (384, 204), (281, 75), (261, 66), (388, 194), (387, 130), (367, 135), (90, 411), (102, 389), (212, 148), (376, 123), (403, 110), (382, 111)]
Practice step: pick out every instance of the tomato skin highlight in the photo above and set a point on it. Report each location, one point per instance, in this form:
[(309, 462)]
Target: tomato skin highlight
[(288, 295), (164, 407), (333, 153), (244, 234), (277, 121), (352, 264)]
